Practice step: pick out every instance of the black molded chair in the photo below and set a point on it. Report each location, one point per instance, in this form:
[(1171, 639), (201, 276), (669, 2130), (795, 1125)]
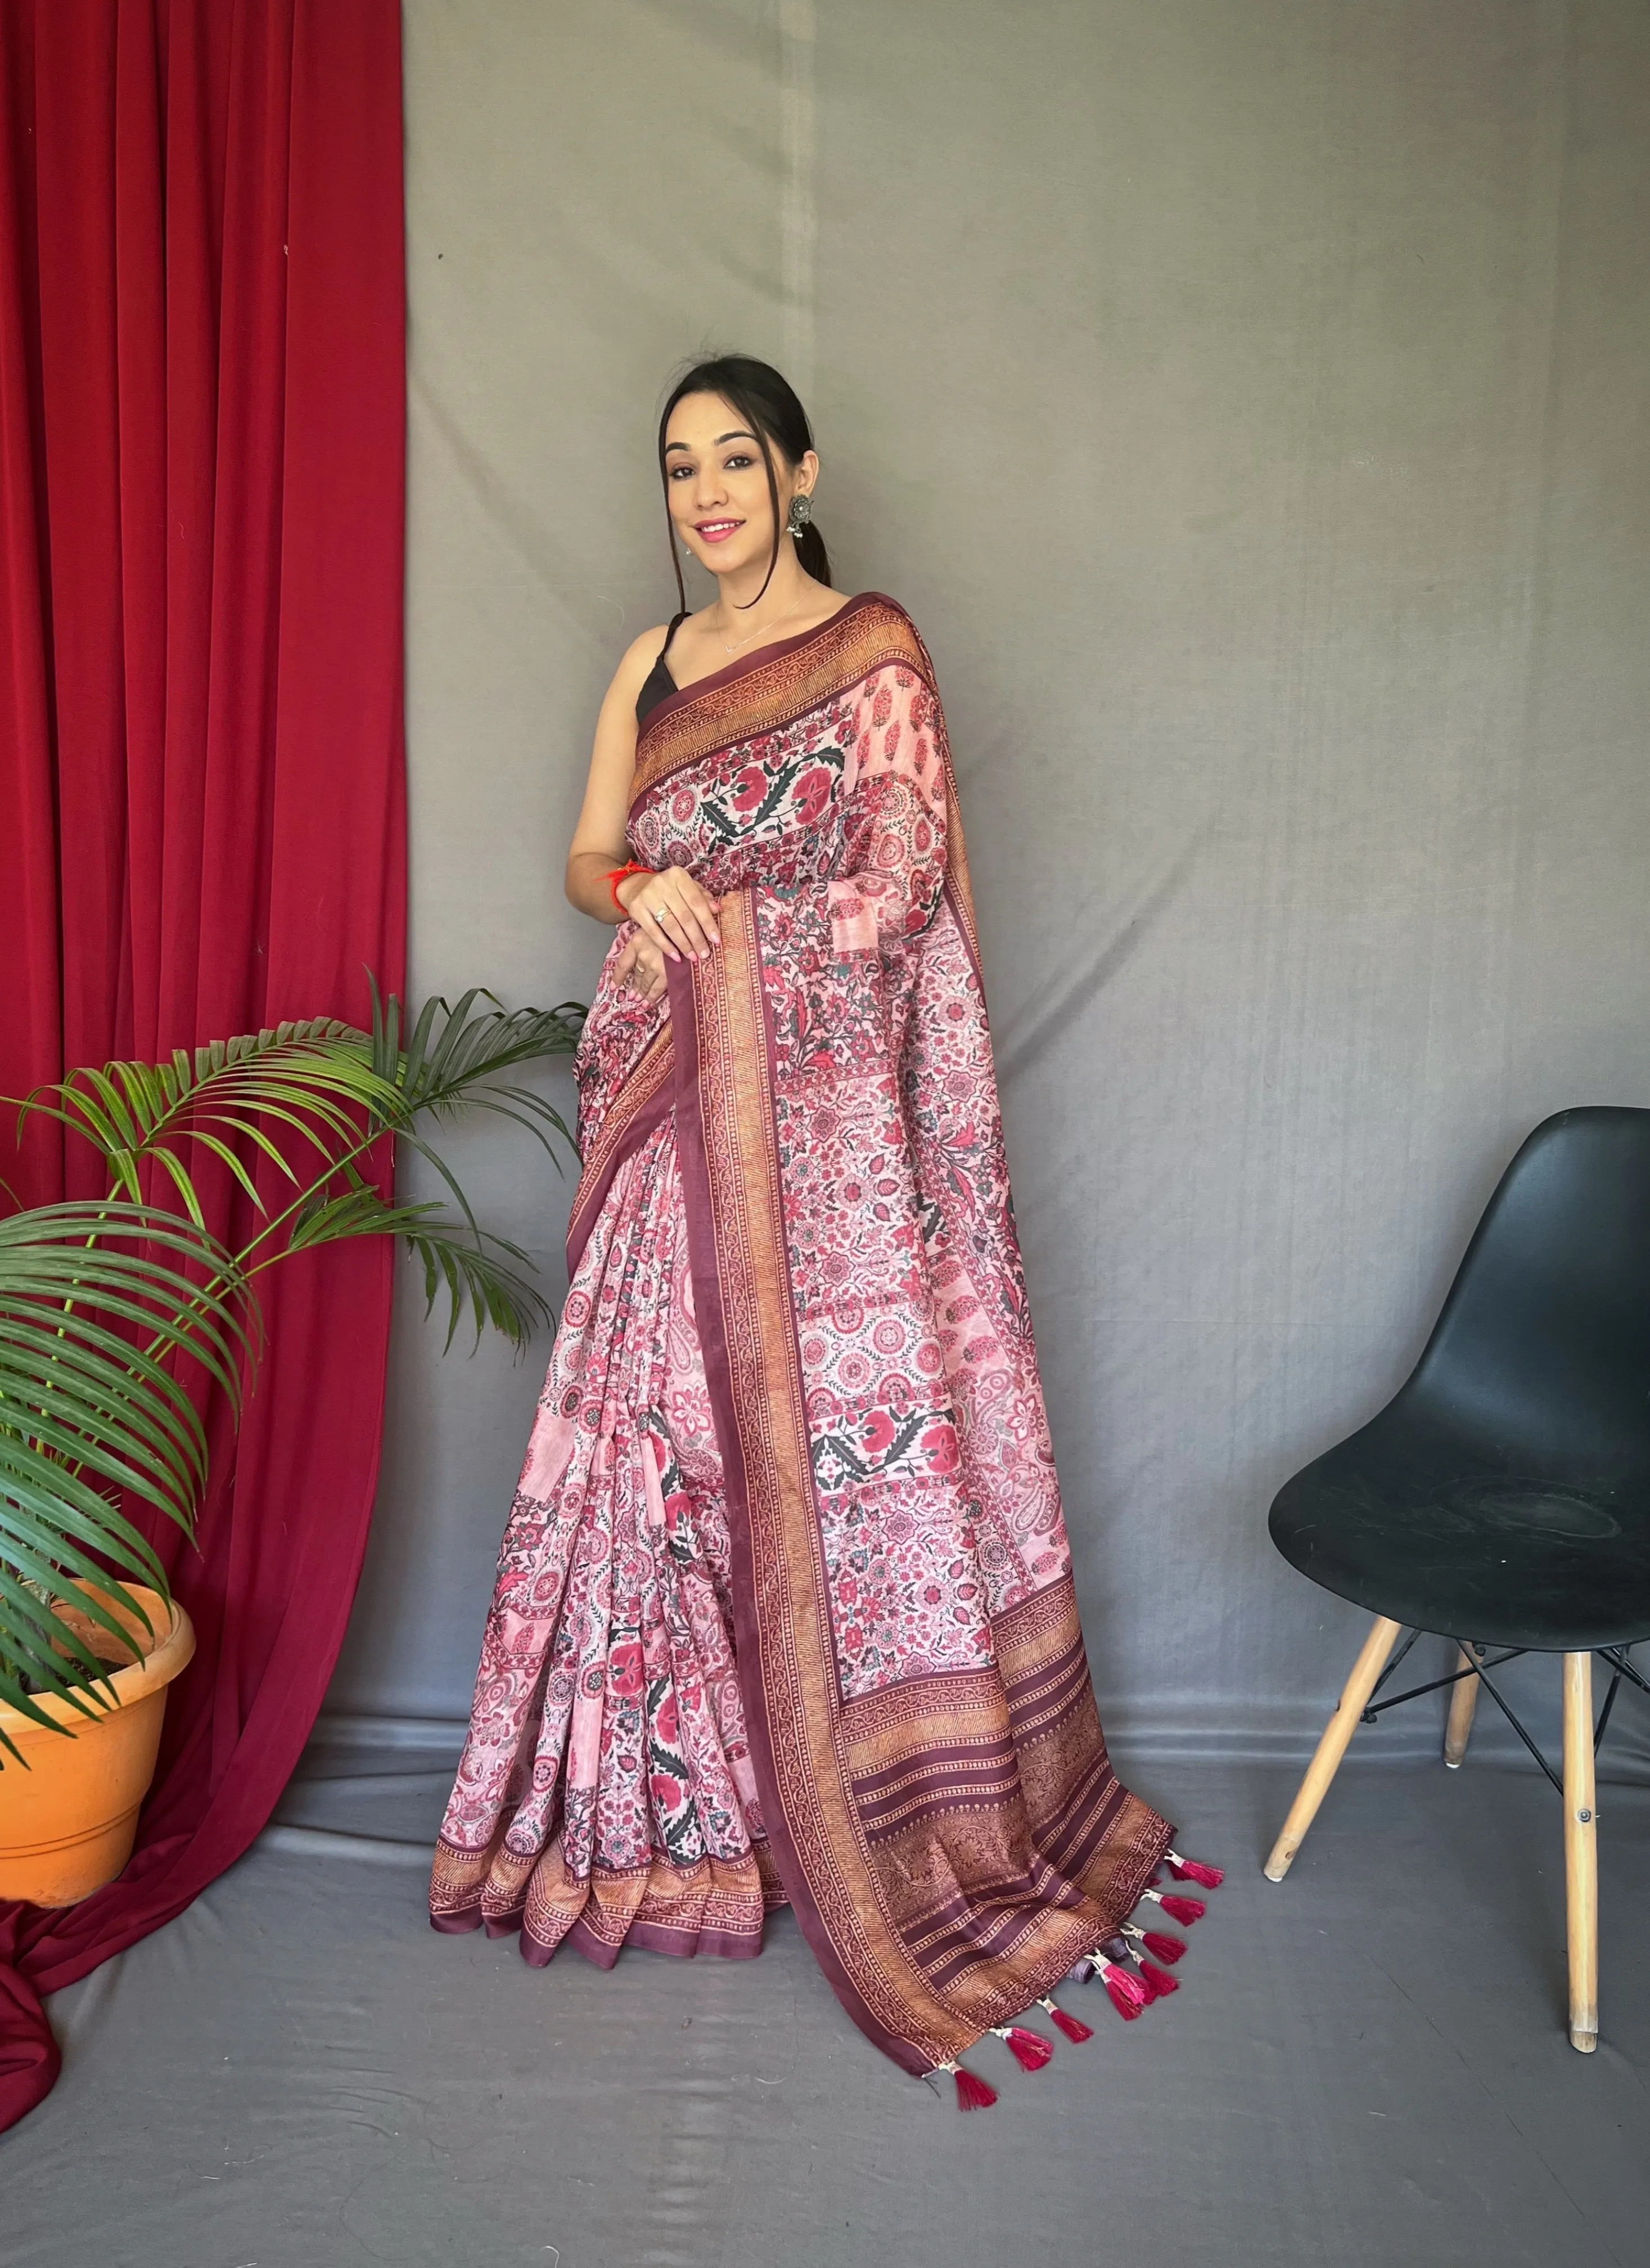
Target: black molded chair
[(1502, 1497)]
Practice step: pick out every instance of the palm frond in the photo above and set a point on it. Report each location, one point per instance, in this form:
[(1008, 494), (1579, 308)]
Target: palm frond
[(329, 1087), (495, 1294), (451, 1058), (88, 1415), (316, 1079), (463, 1265)]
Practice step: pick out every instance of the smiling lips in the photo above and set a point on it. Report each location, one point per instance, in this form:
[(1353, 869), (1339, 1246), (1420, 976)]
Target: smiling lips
[(717, 531)]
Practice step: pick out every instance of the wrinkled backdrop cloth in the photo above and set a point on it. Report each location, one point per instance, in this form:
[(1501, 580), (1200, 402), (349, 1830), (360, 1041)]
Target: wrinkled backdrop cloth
[(202, 415), (1244, 399)]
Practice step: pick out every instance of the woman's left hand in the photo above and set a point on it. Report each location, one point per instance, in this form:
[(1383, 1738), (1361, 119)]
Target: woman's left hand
[(641, 965)]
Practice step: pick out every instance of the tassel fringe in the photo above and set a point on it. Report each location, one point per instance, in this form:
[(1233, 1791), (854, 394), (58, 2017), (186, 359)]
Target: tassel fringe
[(1073, 2027), (972, 2094), (1158, 1982), (1029, 2050), (1126, 1993), (1127, 1965), (1184, 1911), (1124, 1989)]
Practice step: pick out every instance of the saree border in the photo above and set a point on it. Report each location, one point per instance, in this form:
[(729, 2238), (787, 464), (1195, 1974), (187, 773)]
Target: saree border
[(767, 691), (741, 1291), (643, 1103)]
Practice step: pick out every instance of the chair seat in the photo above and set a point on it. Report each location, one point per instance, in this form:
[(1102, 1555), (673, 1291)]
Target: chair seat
[(1418, 1521)]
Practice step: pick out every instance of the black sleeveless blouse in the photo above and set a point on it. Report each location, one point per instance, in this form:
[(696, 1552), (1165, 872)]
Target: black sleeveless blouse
[(660, 684)]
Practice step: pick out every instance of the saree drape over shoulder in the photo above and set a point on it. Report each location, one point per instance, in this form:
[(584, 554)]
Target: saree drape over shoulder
[(785, 1608)]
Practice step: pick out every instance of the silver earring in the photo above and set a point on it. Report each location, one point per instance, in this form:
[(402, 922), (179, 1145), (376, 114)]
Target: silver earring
[(800, 513)]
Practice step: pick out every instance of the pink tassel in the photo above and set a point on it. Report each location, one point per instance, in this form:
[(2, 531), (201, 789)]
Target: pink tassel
[(1029, 2050), (1184, 1911), (1161, 1947), (1150, 1988), (1073, 2027), (972, 2094), (1126, 1993), (1192, 1870)]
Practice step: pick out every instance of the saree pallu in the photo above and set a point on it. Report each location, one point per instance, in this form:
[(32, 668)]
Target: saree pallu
[(784, 1607)]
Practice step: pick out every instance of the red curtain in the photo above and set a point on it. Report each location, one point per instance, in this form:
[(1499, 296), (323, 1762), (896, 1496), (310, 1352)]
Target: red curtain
[(201, 827)]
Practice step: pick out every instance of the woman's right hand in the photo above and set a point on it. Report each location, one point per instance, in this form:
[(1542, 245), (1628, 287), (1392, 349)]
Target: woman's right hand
[(672, 912), (640, 967)]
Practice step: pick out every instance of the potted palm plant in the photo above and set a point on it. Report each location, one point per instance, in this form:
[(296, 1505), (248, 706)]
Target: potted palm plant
[(120, 1318)]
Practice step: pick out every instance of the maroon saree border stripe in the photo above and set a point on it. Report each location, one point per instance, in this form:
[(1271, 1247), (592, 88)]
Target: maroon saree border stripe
[(642, 1103), (1081, 1832), (1028, 1724), (459, 1924), (1008, 1893), (1041, 1709), (1021, 1691), (981, 1755), (886, 1826), (694, 1944), (961, 1782), (694, 1167), (596, 1949)]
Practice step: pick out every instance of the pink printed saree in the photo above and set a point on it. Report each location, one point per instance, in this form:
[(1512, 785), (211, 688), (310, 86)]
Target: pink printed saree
[(784, 1608)]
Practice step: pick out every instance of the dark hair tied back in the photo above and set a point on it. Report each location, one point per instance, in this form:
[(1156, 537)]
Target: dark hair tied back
[(757, 393)]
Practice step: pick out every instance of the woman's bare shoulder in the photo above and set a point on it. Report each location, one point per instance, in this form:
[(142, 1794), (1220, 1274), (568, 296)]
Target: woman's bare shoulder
[(639, 657)]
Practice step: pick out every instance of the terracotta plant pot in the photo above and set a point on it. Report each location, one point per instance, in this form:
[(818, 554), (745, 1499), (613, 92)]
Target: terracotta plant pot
[(68, 1823)]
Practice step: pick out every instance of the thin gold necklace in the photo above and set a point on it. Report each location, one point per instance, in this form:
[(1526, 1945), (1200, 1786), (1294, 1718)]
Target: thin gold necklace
[(760, 627)]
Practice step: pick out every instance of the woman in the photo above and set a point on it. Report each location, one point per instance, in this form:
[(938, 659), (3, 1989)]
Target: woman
[(783, 1608)]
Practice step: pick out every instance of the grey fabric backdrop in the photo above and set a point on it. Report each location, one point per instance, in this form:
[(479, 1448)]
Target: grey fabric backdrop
[(1247, 398)]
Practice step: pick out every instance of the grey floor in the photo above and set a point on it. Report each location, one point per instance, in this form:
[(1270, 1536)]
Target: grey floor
[(1367, 2065)]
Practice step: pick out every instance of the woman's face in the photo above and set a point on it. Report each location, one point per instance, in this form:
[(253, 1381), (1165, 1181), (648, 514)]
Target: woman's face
[(718, 484)]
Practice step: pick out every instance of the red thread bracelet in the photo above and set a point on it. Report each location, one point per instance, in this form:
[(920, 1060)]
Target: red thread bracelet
[(616, 874)]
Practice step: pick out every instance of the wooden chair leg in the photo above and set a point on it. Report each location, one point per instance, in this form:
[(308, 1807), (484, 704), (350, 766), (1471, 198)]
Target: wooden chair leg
[(1337, 1735), (1580, 1851), (1463, 1699)]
